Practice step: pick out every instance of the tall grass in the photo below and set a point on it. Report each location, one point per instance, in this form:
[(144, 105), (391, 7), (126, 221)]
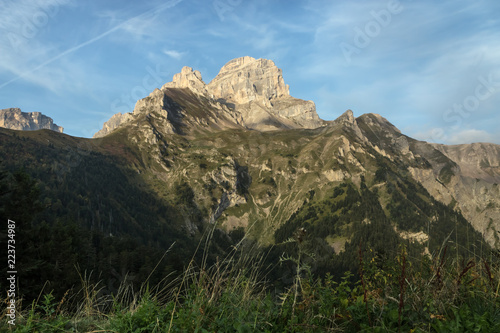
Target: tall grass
[(441, 293)]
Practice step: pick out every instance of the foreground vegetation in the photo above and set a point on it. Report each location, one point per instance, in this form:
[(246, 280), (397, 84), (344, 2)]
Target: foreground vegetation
[(402, 294)]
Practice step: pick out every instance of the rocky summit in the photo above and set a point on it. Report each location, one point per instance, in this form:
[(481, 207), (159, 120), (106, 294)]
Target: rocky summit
[(246, 79), (248, 93), (13, 118), (257, 89)]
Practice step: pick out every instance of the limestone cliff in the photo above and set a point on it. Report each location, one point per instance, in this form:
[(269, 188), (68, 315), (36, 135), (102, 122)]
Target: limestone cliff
[(246, 79), (256, 88), (473, 184), (114, 122), (187, 78), (13, 118)]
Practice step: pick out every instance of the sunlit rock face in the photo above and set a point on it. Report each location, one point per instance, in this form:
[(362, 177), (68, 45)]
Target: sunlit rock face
[(13, 118)]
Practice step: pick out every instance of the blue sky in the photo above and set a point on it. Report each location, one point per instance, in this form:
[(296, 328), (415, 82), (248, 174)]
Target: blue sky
[(432, 69)]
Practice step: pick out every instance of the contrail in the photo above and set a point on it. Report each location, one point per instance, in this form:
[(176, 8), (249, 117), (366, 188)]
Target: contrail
[(153, 11)]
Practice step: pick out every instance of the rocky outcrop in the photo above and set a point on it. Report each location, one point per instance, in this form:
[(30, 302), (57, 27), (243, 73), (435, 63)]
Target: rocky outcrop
[(187, 78), (256, 88), (13, 118), (114, 122), (236, 181), (347, 120), (246, 79)]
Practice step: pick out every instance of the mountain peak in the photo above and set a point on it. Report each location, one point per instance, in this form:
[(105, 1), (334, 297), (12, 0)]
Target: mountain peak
[(347, 116), (246, 79), (376, 119), (14, 118), (187, 78)]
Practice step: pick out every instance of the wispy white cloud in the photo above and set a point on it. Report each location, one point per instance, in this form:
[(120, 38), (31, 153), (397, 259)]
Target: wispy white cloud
[(21, 41), (446, 135), (31, 74), (174, 54), (470, 136), (24, 16)]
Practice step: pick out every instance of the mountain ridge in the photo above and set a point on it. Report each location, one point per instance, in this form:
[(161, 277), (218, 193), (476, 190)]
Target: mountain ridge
[(237, 98)]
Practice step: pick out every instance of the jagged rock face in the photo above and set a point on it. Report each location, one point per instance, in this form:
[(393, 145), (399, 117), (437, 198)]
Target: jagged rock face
[(160, 106), (236, 181), (256, 88), (114, 122), (155, 102), (474, 185), (13, 118), (476, 160), (377, 120), (246, 79), (187, 78), (347, 120), (301, 113)]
